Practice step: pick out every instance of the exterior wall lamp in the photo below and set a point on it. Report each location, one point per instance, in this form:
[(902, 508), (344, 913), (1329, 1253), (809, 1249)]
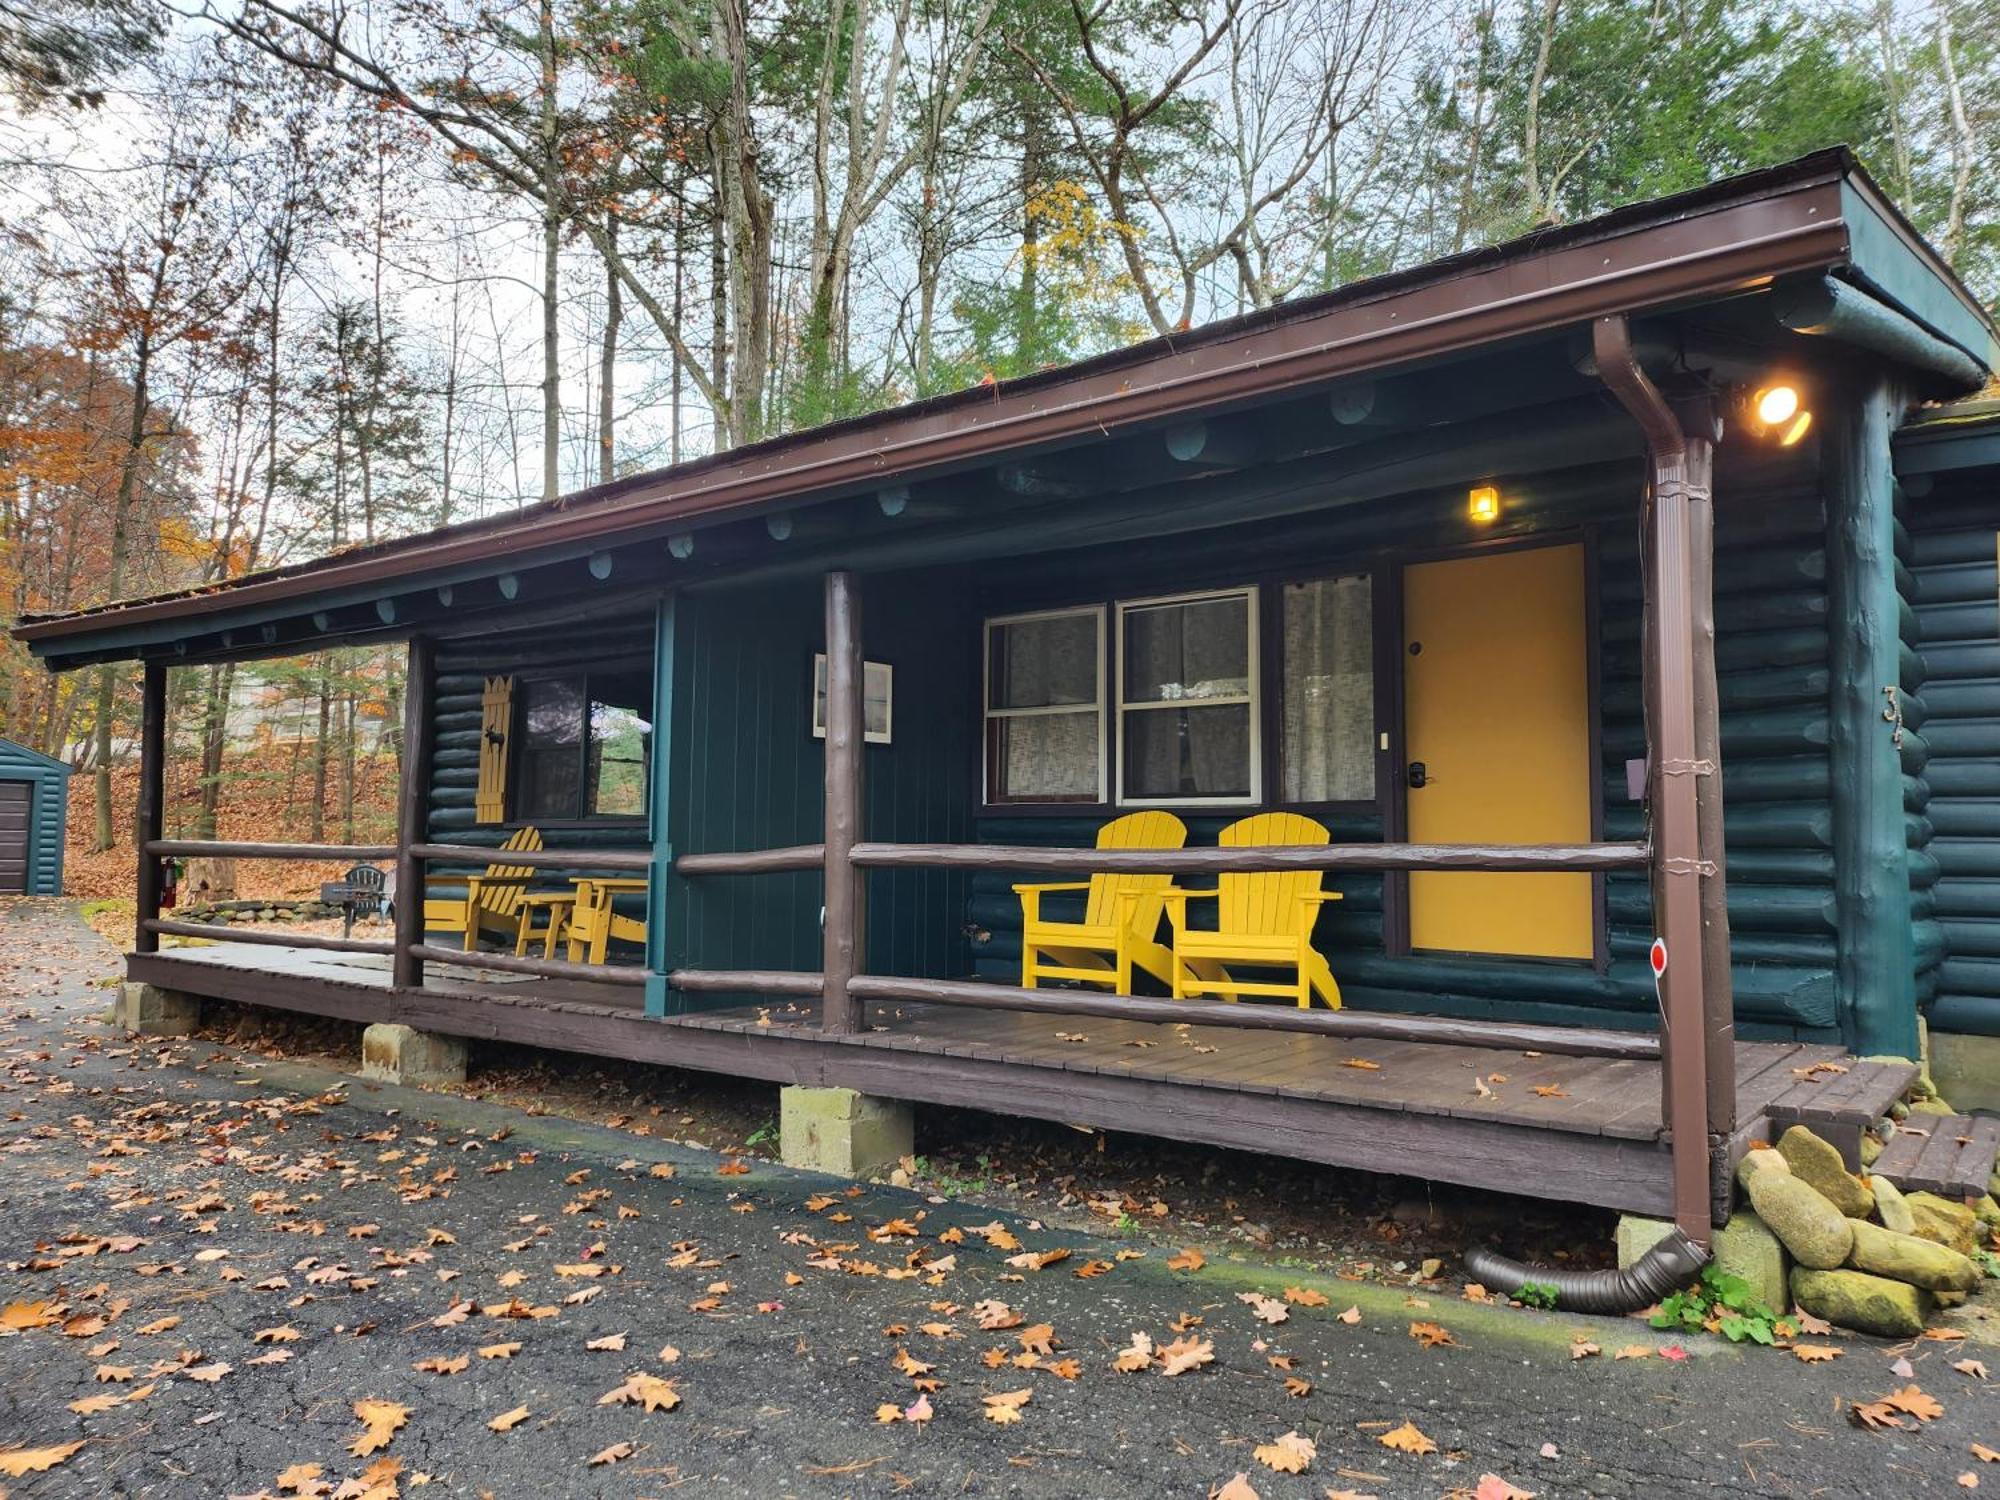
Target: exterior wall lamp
[(1780, 413), (1483, 504)]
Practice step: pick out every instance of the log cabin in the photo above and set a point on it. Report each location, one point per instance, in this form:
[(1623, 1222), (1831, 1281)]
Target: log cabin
[(1621, 598)]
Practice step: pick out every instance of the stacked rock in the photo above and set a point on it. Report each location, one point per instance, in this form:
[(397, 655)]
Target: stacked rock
[(1867, 1257)]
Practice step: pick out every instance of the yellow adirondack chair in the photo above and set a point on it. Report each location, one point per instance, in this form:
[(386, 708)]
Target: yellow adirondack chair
[(492, 899), (1262, 921), (1121, 915)]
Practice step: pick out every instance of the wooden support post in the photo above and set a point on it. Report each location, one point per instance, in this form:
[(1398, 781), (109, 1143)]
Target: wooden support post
[(843, 937), (152, 784), (1668, 627), (1874, 943), (1718, 986), (406, 968), (666, 947)]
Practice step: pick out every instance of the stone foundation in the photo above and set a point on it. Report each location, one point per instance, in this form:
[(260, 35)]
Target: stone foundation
[(1742, 1247), (1966, 1069), (842, 1132), (391, 1053), (148, 1010)]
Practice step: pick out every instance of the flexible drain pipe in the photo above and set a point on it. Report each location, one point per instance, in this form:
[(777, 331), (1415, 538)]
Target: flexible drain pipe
[(1666, 1268)]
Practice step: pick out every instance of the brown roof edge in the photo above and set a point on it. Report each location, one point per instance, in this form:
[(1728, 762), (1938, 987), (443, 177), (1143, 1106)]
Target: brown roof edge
[(1707, 242)]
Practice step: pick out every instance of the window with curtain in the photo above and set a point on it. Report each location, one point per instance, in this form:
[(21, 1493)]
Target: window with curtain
[(1187, 707), (1045, 707), (1327, 723), (584, 746)]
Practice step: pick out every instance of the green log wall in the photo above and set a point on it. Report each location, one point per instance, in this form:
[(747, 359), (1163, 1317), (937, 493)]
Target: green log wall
[(1952, 539), (1771, 607)]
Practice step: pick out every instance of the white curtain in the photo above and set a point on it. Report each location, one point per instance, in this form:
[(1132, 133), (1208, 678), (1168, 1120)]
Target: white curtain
[(1329, 697)]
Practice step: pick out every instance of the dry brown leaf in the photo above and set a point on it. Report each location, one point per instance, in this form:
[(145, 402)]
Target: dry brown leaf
[(299, 1478), (1584, 1349), (507, 1421), (1635, 1351), (208, 1374), (1185, 1354), (1301, 1296), (16, 1463), (1290, 1454), (1975, 1368), (443, 1364), (1366, 1065), (1407, 1439), (1912, 1400), (994, 1315), (611, 1455), (1136, 1356), (18, 1316), (1238, 1488), (611, 1343), (499, 1351), (648, 1392), (1431, 1335), (1189, 1259), (1985, 1454), (1813, 1354), (1005, 1406), (1351, 1316), (380, 1421), (1294, 1386), (1805, 1322), (1493, 1487), (1267, 1309)]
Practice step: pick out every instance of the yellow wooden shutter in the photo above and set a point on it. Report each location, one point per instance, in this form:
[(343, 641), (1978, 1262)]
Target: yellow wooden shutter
[(496, 723)]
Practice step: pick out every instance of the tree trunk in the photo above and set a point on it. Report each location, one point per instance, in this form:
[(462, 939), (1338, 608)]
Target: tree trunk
[(317, 834), (214, 730), (106, 835), (607, 370), (551, 250)]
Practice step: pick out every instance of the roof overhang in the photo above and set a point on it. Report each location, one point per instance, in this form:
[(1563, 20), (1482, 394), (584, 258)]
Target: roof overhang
[(1818, 214)]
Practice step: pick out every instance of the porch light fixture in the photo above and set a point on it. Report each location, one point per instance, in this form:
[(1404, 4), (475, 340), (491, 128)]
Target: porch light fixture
[(1780, 412), (1483, 505)]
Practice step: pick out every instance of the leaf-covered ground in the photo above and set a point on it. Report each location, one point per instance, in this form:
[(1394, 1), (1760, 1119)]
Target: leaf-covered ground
[(226, 1275)]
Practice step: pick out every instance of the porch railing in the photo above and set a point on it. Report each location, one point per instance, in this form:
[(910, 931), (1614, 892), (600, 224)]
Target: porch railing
[(407, 950)]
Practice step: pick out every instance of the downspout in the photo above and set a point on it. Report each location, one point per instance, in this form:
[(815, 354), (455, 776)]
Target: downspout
[(1676, 656)]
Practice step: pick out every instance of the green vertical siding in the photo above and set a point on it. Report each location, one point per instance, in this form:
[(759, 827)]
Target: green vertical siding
[(747, 773), (48, 813), (1957, 609)]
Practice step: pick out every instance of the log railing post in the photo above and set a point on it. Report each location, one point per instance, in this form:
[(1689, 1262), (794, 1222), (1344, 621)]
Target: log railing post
[(152, 780), (1674, 767), (407, 968), (842, 940)]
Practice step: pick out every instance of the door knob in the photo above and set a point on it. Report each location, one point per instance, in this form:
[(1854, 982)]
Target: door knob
[(1419, 775)]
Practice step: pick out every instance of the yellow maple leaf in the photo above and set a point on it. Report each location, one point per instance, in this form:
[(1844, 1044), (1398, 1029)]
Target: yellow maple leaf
[(1005, 1406), (380, 1421), (507, 1421), (1407, 1439), (15, 1463), (1290, 1454)]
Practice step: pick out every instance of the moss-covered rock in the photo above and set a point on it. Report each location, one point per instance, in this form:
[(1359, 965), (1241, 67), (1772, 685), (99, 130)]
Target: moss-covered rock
[(1891, 1207), (1987, 1210), (1920, 1262), (1871, 1147), (1944, 1222), (1931, 1107), (1816, 1233), (1746, 1247), (1865, 1303), (1762, 1158), (1819, 1163)]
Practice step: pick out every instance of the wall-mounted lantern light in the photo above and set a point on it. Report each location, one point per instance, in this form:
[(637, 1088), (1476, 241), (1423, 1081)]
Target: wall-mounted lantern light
[(1483, 504), (1780, 413)]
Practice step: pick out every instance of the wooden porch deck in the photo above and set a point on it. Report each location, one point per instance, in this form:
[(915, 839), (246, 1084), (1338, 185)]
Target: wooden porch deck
[(1580, 1129)]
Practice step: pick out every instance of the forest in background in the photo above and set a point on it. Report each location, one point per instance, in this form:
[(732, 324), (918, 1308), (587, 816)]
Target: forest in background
[(279, 278)]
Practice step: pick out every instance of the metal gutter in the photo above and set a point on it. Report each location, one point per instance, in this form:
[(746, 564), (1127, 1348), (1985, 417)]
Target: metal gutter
[(1536, 288)]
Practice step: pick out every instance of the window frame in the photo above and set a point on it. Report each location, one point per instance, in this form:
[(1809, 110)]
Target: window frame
[(1253, 698), (989, 715), (517, 769)]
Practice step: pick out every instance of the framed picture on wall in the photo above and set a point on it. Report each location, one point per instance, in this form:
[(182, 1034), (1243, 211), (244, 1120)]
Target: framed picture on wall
[(878, 689)]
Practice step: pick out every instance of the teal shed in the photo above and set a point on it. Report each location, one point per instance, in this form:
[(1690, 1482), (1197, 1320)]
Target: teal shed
[(34, 807)]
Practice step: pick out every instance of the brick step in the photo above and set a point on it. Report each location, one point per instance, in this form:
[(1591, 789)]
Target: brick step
[(1838, 1101), (1950, 1155)]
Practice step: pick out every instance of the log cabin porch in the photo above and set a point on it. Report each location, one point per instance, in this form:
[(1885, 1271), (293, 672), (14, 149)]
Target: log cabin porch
[(1551, 1124)]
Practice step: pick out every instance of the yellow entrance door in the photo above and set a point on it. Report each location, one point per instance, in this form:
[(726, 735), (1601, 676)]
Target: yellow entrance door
[(1496, 724)]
